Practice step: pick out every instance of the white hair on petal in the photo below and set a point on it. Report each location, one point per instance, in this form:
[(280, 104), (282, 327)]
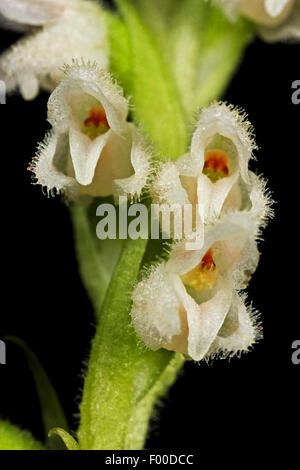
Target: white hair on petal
[(150, 296), (247, 333), (141, 160), (46, 174)]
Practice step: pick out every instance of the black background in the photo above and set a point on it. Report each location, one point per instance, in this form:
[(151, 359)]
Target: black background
[(242, 403)]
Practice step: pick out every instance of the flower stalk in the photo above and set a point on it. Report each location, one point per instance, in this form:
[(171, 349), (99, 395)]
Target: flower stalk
[(124, 379)]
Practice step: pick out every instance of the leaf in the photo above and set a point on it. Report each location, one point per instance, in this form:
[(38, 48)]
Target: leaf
[(52, 412), (68, 440), (14, 438)]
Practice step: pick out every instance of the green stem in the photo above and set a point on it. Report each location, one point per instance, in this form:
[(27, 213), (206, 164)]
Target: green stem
[(121, 371)]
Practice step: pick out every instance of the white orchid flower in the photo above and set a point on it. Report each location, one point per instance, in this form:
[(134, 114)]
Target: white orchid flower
[(277, 19), (69, 29), (92, 149), (190, 304), (214, 175)]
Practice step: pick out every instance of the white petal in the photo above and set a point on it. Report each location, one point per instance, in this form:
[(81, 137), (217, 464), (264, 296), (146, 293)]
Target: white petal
[(239, 332), (155, 309), (191, 164), (140, 159), (170, 197), (234, 235), (230, 123), (85, 154), (80, 32), (32, 12), (113, 163), (275, 7), (167, 187), (287, 30), (211, 196), (269, 13), (261, 200), (181, 260), (48, 166), (205, 320), (12, 25), (83, 81), (29, 87), (234, 239)]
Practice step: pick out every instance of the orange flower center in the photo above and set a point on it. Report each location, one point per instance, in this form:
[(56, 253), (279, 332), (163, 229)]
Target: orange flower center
[(216, 164), (207, 262), (97, 117), (96, 123), (204, 276)]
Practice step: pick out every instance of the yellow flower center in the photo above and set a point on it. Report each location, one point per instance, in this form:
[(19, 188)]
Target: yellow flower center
[(96, 123), (204, 276), (216, 164)]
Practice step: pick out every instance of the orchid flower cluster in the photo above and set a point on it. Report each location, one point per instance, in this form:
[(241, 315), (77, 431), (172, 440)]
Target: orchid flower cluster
[(199, 310), (120, 127)]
